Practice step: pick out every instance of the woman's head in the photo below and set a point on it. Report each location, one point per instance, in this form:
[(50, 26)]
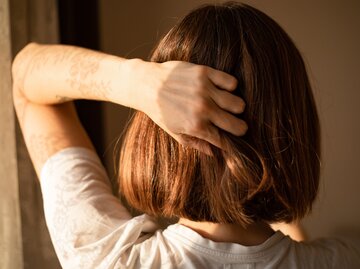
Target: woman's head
[(272, 173)]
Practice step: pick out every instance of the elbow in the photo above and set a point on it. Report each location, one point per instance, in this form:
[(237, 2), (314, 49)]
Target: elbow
[(18, 71), (21, 62)]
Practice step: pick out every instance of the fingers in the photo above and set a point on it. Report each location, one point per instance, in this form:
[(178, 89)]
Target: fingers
[(208, 133), (204, 104), (195, 143), (222, 79), (201, 141), (228, 122), (224, 100), (211, 135), (227, 101)]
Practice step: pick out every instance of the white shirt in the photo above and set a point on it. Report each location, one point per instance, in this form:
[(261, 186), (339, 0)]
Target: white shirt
[(90, 228)]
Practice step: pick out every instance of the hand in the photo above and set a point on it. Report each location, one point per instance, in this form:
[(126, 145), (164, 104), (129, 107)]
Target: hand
[(191, 101)]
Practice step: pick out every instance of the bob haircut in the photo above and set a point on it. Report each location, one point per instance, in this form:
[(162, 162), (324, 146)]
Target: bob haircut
[(272, 173)]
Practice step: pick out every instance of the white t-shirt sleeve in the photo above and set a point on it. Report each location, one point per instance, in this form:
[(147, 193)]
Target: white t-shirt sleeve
[(88, 225), (346, 252), (337, 252)]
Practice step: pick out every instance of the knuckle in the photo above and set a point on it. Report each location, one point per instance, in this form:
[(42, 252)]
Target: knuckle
[(196, 127), (200, 77), (201, 71), (201, 86), (201, 106)]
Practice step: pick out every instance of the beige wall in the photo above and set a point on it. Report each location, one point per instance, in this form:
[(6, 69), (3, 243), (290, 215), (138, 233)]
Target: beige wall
[(327, 34), (11, 249), (24, 239)]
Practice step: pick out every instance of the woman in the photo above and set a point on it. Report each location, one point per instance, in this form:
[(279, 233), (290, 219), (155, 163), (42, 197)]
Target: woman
[(186, 155)]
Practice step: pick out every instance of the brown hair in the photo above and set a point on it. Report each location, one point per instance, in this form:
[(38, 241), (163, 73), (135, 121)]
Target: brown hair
[(272, 173)]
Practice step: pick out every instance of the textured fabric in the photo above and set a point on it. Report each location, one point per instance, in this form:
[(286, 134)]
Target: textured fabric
[(90, 228)]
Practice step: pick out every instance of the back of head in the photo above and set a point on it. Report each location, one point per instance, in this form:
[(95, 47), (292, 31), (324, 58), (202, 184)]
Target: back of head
[(272, 173)]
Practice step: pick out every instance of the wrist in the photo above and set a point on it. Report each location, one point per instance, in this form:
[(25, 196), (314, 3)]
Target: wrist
[(138, 79)]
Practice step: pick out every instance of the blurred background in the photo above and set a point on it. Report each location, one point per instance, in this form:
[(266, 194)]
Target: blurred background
[(325, 31)]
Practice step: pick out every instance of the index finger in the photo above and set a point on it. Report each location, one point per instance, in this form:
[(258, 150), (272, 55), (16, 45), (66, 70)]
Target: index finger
[(222, 79)]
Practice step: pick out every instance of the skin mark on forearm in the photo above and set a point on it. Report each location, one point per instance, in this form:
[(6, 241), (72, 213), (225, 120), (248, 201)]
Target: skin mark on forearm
[(84, 66), (81, 67), (43, 146)]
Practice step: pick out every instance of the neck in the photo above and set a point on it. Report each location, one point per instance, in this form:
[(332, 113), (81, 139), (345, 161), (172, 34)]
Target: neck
[(253, 234)]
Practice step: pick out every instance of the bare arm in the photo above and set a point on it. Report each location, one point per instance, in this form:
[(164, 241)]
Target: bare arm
[(182, 98), (52, 74)]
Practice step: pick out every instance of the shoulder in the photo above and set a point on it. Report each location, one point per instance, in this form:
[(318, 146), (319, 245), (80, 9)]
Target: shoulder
[(336, 252)]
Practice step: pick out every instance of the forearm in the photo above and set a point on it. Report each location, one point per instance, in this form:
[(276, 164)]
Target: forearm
[(182, 98), (51, 74)]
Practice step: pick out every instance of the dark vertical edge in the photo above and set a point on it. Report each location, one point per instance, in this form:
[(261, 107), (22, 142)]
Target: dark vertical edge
[(79, 25)]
